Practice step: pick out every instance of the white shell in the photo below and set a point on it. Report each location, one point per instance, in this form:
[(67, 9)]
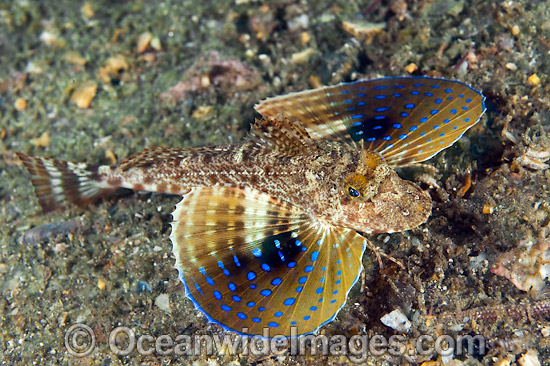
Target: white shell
[(396, 320)]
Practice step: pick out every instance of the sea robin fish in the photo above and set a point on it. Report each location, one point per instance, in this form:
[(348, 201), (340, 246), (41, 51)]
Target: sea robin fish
[(269, 233)]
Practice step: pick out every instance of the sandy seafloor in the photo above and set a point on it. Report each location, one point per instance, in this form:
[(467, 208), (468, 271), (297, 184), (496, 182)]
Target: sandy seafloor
[(112, 265)]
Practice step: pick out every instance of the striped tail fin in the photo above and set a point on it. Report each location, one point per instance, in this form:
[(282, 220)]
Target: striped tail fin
[(58, 183)]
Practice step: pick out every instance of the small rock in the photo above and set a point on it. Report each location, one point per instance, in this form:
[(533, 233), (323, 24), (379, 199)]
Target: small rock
[(84, 93), (305, 38), (155, 44), (396, 320), (20, 104), (112, 69), (49, 38), (529, 358), (302, 56), (50, 230), (488, 208), (143, 286), (410, 68), (143, 42), (534, 80), (511, 66), (110, 155), (87, 10), (299, 22), (163, 302), (363, 31), (42, 141), (101, 284), (202, 111), (74, 58)]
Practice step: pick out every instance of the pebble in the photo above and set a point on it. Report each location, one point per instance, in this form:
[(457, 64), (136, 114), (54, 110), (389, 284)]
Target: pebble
[(302, 56), (112, 68), (42, 141), (410, 68), (529, 358), (143, 42), (20, 104), (74, 58), (49, 38), (84, 93), (163, 302), (155, 44), (50, 230), (143, 286), (202, 112), (315, 81), (101, 284), (504, 362), (363, 31), (110, 155), (299, 22), (396, 320), (488, 208), (305, 38), (511, 66), (34, 68), (534, 80), (87, 10)]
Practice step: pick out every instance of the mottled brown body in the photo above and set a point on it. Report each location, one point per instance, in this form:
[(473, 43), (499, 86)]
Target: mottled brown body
[(279, 159), (311, 178)]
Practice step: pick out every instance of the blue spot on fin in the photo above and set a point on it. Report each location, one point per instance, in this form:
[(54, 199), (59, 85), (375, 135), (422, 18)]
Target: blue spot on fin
[(280, 298), (414, 103)]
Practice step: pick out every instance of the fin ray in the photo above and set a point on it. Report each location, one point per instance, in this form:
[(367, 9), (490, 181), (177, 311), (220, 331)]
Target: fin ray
[(280, 135), (278, 277), (58, 183), (406, 119)]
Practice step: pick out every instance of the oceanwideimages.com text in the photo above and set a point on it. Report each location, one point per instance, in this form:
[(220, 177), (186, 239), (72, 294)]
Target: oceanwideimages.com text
[(80, 341)]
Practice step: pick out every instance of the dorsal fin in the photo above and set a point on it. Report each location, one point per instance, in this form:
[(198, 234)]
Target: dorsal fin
[(280, 135)]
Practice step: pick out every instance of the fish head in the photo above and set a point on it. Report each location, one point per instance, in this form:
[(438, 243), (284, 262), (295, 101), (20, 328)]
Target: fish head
[(374, 199)]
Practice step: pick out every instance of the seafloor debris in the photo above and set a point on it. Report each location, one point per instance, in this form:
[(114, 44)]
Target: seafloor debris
[(534, 80), (163, 302), (533, 159), (50, 230), (84, 93), (531, 151), (396, 320), (527, 266), (147, 41), (519, 313), (113, 69), (20, 104), (529, 358), (363, 31), (215, 71), (42, 141)]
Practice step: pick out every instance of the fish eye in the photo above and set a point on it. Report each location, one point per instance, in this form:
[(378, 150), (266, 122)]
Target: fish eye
[(353, 193)]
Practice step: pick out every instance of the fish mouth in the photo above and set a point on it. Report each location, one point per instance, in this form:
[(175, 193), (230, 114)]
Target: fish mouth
[(403, 206)]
